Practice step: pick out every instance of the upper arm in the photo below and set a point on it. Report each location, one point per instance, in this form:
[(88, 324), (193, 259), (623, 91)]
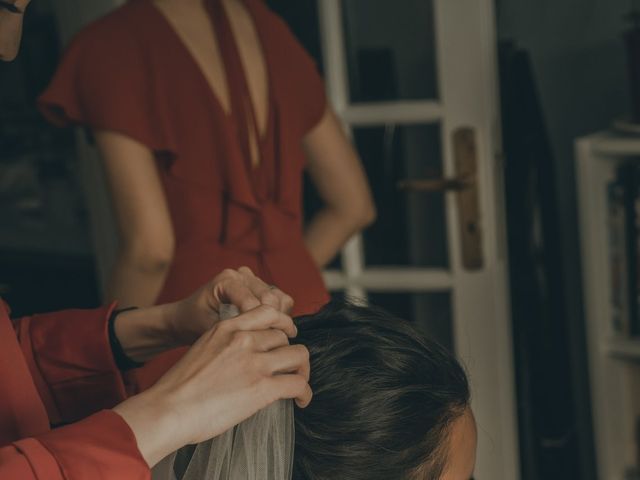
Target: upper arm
[(335, 168), (137, 194)]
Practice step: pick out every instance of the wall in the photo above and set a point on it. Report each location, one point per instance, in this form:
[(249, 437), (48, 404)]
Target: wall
[(578, 56)]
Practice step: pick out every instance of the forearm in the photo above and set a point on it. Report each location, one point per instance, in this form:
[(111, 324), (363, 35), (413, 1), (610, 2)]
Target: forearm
[(327, 233), (134, 284), (144, 333)]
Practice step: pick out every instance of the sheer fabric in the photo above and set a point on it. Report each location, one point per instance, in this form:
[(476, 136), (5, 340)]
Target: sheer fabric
[(260, 448)]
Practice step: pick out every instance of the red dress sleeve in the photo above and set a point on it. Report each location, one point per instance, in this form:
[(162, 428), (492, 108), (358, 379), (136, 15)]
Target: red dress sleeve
[(105, 82), (101, 447), (70, 360)]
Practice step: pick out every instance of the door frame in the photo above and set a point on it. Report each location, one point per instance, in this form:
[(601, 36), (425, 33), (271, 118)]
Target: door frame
[(468, 97)]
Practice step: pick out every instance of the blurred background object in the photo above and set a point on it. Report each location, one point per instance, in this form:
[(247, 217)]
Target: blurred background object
[(46, 259)]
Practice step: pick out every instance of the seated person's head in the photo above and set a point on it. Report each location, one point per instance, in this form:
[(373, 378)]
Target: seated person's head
[(388, 403)]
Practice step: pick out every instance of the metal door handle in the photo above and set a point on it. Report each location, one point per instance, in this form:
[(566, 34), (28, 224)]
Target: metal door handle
[(466, 189)]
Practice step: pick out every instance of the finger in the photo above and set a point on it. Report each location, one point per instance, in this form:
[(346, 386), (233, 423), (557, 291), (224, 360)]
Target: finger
[(288, 302), (285, 301), (263, 318), (267, 294), (236, 292), (262, 341), (259, 288), (292, 387), (246, 271), (287, 359)]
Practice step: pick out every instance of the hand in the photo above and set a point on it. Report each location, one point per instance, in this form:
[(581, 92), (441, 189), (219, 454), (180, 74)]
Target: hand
[(146, 332), (197, 314), (235, 369)]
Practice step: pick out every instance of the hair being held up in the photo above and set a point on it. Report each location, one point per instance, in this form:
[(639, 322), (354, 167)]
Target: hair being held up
[(385, 398), (388, 404)]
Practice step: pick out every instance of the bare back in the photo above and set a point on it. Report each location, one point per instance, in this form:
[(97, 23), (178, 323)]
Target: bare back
[(192, 25)]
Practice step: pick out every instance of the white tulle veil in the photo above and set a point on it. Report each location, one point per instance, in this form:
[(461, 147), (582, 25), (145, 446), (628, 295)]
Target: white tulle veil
[(260, 448)]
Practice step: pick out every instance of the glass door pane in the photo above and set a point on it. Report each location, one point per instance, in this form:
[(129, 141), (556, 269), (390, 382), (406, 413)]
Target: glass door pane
[(390, 50), (411, 225)]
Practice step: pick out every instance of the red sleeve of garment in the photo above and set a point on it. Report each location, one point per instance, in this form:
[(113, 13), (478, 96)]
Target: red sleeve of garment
[(70, 359), (104, 82), (101, 447)]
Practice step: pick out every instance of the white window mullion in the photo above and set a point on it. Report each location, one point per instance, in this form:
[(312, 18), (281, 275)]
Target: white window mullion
[(337, 79), (333, 49), (401, 112), (393, 279)]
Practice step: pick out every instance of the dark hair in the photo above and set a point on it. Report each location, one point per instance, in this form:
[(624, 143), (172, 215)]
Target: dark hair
[(384, 398)]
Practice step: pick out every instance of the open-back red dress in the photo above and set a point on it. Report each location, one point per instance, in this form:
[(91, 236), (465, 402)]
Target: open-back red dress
[(129, 72)]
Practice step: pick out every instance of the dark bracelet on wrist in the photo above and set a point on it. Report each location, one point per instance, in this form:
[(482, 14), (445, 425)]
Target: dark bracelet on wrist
[(123, 362)]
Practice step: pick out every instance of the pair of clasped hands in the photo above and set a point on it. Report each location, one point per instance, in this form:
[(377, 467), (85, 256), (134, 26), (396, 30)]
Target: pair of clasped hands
[(234, 368)]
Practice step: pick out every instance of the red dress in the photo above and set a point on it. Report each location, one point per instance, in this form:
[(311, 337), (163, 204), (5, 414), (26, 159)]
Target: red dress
[(129, 72), (45, 378)]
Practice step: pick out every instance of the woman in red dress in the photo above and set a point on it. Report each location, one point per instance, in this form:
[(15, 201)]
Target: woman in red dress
[(206, 113)]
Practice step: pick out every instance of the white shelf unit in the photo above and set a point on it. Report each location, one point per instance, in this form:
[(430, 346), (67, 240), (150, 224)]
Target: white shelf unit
[(614, 363)]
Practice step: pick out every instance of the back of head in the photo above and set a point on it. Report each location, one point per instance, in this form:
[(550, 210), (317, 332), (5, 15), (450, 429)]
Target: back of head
[(384, 398)]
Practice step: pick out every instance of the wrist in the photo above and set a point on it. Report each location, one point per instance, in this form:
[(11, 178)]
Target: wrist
[(174, 318), (123, 361), (154, 423), (185, 321), (144, 333)]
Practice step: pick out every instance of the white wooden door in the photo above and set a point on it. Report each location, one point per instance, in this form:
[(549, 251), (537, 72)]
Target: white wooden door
[(407, 77)]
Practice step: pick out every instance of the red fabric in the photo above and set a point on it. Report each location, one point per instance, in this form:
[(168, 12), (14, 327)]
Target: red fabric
[(129, 72), (21, 411), (108, 449), (69, 354)]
